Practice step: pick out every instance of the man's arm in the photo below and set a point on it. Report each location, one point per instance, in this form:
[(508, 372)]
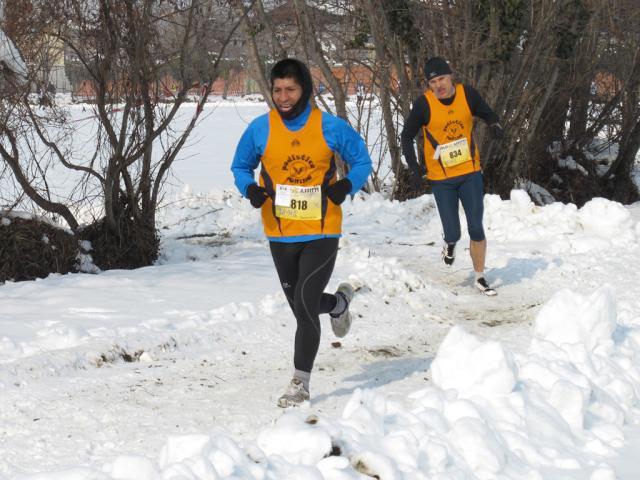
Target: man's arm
[(419, 115), (479, 108), (342, 138), (248, 153)]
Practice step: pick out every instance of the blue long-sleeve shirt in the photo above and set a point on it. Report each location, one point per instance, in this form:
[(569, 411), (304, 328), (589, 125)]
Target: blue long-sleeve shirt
[(338, 134)]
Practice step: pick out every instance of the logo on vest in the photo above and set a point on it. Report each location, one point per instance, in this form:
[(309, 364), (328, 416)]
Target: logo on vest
[(295, 143), (299, 168), (454, 129)]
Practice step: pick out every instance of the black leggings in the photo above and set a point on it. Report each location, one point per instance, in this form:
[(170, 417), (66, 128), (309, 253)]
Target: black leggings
[(304, 269)]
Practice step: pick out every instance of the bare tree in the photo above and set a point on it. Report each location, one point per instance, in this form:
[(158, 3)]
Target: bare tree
[(543, 65), (251, 32), (127, 48)]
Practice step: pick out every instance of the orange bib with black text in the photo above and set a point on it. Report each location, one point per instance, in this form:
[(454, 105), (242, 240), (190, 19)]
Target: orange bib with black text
[(295, 167), (449, 149)]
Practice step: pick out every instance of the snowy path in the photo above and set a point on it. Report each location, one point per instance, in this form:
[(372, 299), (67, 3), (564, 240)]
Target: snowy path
[(219, 375), (217, 334)]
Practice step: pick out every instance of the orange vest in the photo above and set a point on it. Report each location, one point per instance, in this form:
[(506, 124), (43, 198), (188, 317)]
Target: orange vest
[(298, 159), (447, 124)]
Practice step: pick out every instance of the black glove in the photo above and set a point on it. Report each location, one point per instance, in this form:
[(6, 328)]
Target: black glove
[(496, 131), (338, 191), (416, 182), (257, 195)]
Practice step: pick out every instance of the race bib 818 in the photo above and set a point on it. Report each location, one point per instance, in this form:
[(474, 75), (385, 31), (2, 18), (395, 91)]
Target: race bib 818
[(298, 203)]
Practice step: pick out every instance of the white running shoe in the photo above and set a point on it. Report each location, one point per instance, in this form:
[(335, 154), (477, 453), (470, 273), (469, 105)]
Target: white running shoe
[(483, 286), (295, 394), (341, 323)]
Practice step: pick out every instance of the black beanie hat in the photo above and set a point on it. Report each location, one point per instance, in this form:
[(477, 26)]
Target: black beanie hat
[(436, 66), (292, 68)]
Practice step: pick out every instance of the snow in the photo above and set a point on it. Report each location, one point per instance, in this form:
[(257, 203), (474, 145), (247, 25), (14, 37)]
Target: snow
[(473, 367), (571, 164), (541, 195), (172, 371), (11, 58)]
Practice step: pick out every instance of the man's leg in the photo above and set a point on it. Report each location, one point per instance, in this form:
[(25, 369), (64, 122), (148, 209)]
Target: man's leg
[(285, 258), (304, 269), (447, 200), (316, 263), (472, 198), (478, 252)]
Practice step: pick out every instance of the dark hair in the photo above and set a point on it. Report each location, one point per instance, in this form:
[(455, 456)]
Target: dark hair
[(290, 68), (293, 68)]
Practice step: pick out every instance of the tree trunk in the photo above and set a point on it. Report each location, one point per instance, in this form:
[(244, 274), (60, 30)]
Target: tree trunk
[(310, 40), (375, 14), (255, 62), (313, 49)]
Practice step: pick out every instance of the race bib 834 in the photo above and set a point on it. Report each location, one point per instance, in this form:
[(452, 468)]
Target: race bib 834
[(455, 153)]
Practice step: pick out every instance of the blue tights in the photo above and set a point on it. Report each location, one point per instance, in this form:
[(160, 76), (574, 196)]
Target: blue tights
[(467, 189)]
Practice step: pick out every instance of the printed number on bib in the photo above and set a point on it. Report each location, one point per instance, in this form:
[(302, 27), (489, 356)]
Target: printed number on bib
[(455, 153), (298, 203)]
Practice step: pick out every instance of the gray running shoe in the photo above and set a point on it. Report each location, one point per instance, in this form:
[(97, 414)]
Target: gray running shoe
[(483, 286), (294, 395), (342, 323)]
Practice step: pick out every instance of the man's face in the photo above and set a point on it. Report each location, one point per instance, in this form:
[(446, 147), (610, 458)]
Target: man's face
[(285, 93), (442, 86)]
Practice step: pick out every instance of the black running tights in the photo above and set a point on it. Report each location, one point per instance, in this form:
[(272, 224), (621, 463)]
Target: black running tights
[(304, 269)]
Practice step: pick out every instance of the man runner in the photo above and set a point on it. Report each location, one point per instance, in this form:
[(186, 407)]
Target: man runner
[(451, 159), (300, 197)]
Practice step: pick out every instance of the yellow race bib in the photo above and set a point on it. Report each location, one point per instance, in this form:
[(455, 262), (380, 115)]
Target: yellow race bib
[(454, 153), (298, 203)]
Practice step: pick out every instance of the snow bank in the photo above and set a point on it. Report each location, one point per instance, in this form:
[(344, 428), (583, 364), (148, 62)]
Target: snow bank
[(490, 414), (559, 227), (473, 367)]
